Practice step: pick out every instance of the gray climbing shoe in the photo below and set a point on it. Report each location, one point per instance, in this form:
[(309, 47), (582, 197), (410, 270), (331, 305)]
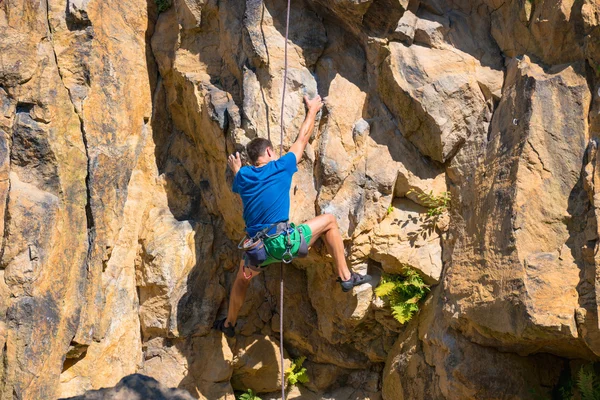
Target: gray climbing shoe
[(355, 280), (229, 331)]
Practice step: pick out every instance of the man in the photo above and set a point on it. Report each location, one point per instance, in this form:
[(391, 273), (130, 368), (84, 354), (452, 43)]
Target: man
[(265, 191)]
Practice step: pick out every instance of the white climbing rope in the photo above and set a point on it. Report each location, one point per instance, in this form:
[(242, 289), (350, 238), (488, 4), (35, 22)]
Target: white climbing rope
[(285, 70)]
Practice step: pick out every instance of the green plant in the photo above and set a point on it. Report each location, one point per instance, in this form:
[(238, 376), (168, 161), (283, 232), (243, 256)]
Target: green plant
[(390, 209), (565, 392), (296, 373), (403, 292), (249, 395), (163, 5), (588, 383), (565, 386), (436, 205)]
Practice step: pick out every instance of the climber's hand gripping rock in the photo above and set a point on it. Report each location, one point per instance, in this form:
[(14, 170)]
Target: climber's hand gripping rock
[(234, 162)]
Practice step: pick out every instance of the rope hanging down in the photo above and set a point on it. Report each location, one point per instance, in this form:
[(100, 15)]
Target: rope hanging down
[(285, 70)]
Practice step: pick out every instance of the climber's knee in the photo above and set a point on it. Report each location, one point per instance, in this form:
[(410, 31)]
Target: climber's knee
[(245, 274)]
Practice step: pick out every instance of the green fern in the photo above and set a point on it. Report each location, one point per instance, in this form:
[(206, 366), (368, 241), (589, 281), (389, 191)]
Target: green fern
[(296, 373), (404, 312), (588, 384), (404, 293), (163, 5), (249, 395), (565, 393), (436, 205), (385, 289)]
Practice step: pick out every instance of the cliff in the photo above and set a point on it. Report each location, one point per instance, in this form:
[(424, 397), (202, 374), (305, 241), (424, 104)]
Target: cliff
[(120, 228)]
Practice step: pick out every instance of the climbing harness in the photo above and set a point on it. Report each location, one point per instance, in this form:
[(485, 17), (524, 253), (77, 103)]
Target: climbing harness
[(256, 252)]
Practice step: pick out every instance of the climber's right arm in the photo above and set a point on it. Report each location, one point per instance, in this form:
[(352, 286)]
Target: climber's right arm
[(307, 127)]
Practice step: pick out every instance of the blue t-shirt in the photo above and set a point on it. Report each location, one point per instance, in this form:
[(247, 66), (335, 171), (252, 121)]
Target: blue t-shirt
[(265, 192)]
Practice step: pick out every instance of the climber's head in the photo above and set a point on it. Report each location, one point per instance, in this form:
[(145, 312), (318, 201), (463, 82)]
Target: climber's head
[(260, 151)]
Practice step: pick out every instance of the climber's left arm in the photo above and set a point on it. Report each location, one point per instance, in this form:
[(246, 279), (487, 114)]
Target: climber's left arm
[(234, 162)]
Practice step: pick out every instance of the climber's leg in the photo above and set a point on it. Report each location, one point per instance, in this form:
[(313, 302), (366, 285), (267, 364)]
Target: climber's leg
[(238, 293), (326, 226)]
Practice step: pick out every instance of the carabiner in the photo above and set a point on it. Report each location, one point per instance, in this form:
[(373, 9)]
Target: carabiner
[(287, 256)]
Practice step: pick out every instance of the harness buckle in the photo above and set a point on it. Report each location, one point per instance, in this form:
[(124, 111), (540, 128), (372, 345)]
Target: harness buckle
[(287, 257)]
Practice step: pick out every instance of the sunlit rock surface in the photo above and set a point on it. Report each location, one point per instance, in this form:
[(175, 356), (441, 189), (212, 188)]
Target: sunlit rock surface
[(120, 228)]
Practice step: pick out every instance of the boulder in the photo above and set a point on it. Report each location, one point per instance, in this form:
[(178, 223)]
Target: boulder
[(135, 387), (436, 96)]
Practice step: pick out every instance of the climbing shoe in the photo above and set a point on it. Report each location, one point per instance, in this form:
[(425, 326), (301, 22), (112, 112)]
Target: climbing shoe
[(229, 331), (355, 280)]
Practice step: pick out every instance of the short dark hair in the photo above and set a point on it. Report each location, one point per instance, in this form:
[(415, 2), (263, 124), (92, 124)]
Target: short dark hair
[(257, 148)]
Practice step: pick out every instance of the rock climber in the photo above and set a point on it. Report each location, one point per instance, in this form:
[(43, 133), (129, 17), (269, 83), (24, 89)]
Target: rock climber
[(264, 188)]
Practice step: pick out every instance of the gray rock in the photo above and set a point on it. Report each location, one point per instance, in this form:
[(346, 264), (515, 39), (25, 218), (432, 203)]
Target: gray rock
[(135, 387)]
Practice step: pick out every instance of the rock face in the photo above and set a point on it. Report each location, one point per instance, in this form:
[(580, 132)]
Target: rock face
[(120, 226), (536, 246)]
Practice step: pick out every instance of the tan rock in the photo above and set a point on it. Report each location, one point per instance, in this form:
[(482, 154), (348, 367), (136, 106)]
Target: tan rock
[(25, 257), (524, 255), (415, 78), (322, 376), (459, 378), (431, 29), (313, 333), (430, 360), (168, 255), (408, 238), (348, 311), (548, 31), (18, 50), (407, 374), (44, 257), (257, 364), (119, 223), (405, 31), (200, 365), (351, 11)]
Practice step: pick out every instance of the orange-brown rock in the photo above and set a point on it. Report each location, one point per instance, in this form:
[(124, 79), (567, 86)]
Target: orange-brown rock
[(119, 225), (530, 241)]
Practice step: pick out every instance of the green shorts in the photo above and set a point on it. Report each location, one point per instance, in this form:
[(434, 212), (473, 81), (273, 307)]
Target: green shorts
[(276, 246)]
